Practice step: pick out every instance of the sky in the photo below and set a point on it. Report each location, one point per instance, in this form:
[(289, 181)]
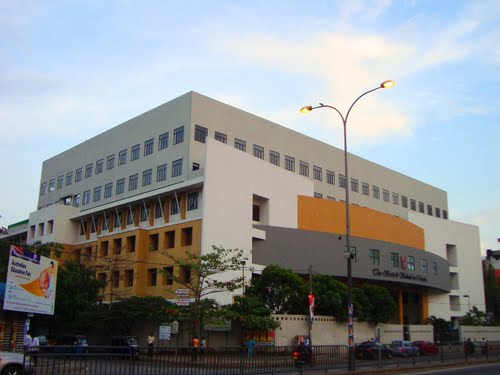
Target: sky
[(70, 70)]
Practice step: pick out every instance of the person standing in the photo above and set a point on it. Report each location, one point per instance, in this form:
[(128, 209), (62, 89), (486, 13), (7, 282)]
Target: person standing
[(203, 346), (27, 341), (194, 352), (33, 349), (151, 344), (250, 345)]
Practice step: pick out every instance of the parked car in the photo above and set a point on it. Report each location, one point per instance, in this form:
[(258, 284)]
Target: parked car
[(369, 350), (403, 348), (126, 345), (15, 364), (426, 347)]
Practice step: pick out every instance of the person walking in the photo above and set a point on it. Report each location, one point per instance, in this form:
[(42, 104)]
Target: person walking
[(196, 344), (27, 341), (151, 344), (33, 349)]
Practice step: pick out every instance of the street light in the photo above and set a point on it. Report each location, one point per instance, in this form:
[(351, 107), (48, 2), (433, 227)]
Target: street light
[(350, 309)]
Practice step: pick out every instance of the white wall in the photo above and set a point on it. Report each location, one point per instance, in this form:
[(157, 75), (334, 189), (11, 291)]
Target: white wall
[(65, 230), (232, 178), (439, 233)]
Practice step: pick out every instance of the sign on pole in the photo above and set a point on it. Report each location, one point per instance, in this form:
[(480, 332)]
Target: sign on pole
[(182, 302), (31, 282), (165, 332), (182, 293)]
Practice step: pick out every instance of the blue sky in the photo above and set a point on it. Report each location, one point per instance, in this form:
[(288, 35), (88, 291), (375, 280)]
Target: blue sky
[(72, 69)]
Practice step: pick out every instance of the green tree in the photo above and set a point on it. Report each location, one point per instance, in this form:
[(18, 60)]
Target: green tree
[(381, 307), (442, 329), (474, 317), (283, 291), (200, 276), (77, 296), (253, 314), (330, 297)]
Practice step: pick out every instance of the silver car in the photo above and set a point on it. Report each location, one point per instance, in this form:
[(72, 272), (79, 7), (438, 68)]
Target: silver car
[(15, 364)]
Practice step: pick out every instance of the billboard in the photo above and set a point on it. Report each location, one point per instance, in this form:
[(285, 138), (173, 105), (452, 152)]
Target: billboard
[(31, 282)]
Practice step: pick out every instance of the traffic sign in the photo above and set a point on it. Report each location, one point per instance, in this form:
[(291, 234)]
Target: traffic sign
[(182, 302), (182, 293)]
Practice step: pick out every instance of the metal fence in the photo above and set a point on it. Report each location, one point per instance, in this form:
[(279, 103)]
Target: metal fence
[(100, 360)]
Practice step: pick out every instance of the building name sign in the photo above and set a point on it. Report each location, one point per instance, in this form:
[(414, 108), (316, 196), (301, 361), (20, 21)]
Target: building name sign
[(399, 275)]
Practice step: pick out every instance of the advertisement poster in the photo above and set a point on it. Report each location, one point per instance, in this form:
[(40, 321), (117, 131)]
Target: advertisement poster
[(31, 282)]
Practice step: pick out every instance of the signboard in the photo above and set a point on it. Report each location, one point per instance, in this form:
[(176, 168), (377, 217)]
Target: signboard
[(218, 327), (182, 302), (165, 332), (182, 293), (31, 282), (351, 253)]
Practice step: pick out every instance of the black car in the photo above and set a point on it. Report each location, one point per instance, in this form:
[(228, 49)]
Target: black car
[(369, 350), (125, 346)]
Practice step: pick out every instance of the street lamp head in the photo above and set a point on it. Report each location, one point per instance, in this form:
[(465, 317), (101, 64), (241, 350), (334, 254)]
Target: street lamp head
[(306, 109), (387, 84)]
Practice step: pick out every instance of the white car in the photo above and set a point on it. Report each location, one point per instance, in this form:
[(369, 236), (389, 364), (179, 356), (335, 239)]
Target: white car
[(15, 364)]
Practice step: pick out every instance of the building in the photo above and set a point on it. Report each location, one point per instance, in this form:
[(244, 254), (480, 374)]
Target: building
[(195, 172)]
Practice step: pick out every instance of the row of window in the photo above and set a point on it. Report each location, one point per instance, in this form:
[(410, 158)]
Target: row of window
[(275, 158), (408, 262), (135, 152), (128, 277)]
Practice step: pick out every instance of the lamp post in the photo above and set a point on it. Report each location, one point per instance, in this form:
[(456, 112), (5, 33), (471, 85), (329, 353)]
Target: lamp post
[(350, 309)]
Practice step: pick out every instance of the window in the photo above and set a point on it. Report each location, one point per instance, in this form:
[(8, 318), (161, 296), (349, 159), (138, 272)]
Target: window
[(240, 144), (132, 182), (255, 212), (289, 163), (86, 197), (129, 277), (97, 194), (421, 207), (411, 263), (110, 162), (105, 225), (196, 166), (445, 214), (43, 188), (374, 257), (131, 244), (122, 157), (177, 168), (168, 275), (108, 190), (184, 275), (413, 204), (395, 260), (330, 177), (221, 137), (192, 201), (274, 158), (88, 170), (118, 220), (161, 173), (174, 206), (158, 210), (423, 265), (135, 152), (179, 135), (152, 276), (69, 178), (116, 279), (318, 195), (200, 133), (120, 186), (342, 181), (258, 151), (103, 251), (429, 209), (163, 141), (130, 216), (438, 212), (60, 181), (395, 198), (170, 239), (148, 146), (365, 188), (52, 185), (354, 185), (187, 236), (76, 200), (404, 201), (385, 194), (117, 246), (102, 278), (78, 174), (434, 268), (144, 213), (99, 166), (304, 168), (376, 192), (146, 177), (317, 173)]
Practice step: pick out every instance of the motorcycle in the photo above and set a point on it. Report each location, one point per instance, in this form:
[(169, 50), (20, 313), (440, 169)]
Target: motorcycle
[(303, 357)]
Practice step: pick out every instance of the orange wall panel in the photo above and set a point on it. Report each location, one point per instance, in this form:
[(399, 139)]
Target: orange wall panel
[(329, 216)]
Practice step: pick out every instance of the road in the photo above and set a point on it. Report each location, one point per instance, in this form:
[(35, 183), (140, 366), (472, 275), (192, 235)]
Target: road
[(493, 369)]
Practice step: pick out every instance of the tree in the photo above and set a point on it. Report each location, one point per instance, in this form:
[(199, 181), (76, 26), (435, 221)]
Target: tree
[(475, 317), (253, 314), (442, 329), (283, 291), (200, 274), (76, 297), (330, 297), (381, 307)]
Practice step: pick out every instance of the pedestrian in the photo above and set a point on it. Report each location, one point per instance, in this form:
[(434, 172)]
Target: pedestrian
[(203, 346), (250, 346), (151, 344), (33, 349), (27, 341), (484, 348), (196, 344)]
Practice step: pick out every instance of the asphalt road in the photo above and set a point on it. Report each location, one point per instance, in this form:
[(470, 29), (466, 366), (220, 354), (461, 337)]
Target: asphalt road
[(490, 369)]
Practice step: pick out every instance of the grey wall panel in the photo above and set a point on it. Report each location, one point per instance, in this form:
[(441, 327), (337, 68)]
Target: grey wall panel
[(297, 249)]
